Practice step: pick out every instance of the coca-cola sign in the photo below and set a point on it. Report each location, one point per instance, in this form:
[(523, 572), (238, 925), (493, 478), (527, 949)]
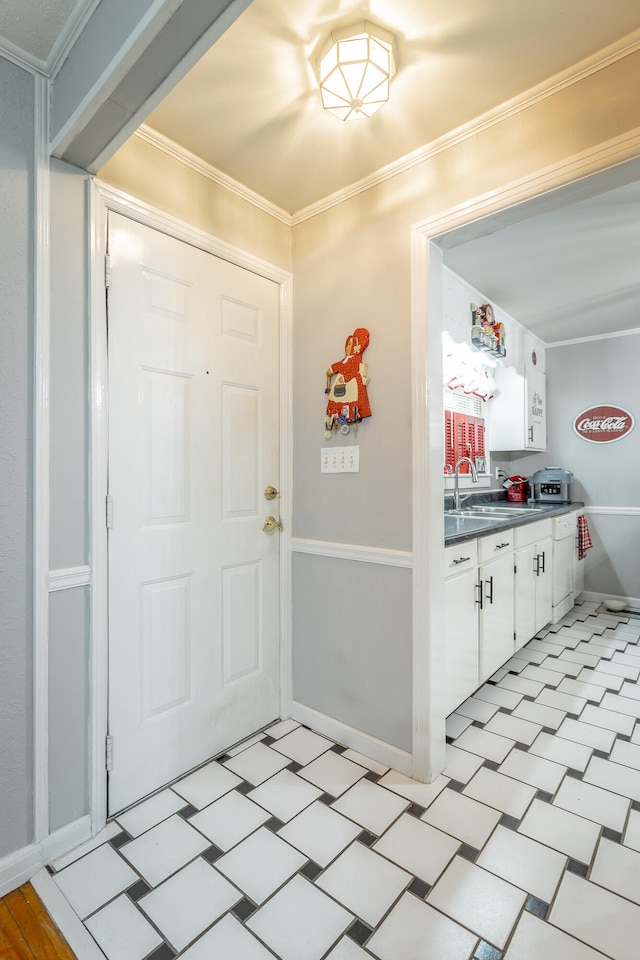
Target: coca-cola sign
[(603, 424)]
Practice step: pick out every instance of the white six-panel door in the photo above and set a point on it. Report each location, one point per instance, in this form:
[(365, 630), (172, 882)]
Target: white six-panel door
[(193, 354)]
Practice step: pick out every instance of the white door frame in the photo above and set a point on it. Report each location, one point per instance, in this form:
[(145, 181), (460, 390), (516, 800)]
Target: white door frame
[(617, 161), (100, 199)]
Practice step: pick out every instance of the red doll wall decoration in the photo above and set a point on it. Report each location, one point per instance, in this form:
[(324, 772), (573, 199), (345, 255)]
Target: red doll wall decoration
[(347, 385)]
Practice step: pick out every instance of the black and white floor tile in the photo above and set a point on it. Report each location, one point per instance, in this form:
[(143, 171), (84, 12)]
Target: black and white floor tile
[(291, 846)]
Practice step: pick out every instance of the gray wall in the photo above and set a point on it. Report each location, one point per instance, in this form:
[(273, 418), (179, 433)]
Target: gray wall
[(16, 415), (68, 385), (352, 639), (69, 534), (351, 660), (581, 375), (68, 706)]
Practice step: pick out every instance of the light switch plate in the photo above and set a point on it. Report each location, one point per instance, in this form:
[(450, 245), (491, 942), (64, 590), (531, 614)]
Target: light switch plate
[(340, 460)]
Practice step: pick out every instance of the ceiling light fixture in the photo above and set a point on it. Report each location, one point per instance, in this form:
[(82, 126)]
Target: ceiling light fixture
[(354, 71)]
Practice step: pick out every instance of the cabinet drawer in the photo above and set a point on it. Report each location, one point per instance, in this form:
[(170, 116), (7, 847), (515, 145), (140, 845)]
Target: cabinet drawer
[(532, 532), (460, 557), (495, 545)]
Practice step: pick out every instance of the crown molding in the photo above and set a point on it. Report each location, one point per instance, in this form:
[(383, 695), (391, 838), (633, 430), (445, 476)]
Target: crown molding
[(537, 94), (599, 336), (74, 25), (174, 150), (543, 91), (18, 56)]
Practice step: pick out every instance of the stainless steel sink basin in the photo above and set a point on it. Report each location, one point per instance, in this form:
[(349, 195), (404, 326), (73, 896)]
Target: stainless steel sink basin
[(455, 524), (488, 510)]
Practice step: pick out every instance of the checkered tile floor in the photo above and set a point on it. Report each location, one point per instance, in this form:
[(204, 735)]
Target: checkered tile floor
[(290, 846)]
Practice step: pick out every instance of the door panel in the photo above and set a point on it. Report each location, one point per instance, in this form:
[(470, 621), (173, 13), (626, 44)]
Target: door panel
[(193, 441)]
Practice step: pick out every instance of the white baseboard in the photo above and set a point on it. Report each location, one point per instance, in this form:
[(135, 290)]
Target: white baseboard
[(342, 733), (633, 602), (21, 866), (69, 925)]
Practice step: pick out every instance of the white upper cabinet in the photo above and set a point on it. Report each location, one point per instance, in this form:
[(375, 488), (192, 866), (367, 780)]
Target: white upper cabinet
[(518, 413)]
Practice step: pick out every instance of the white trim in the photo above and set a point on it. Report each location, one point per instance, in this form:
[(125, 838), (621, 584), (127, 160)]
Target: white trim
[(427, 498), (426, 328), (129, 206), (21, 865), (188, 159), (98, 93), (68, 578), (41, 446), (363, 743), (21, 58), (600, 336), (286, 495), (71, 927), (101, 199), (633, 602), (352, 551), (75, 24), (543, 91), (612, 511), (98, 461), (198, 49), (617, 51)]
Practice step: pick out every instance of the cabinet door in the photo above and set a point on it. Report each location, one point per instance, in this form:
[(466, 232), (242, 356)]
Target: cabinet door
[(496, 617), (461, 639), (536, 410), (525, 593), (544, 583)]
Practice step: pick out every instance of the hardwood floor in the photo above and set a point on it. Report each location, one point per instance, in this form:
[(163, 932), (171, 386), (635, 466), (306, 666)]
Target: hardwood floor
[(27, 932)]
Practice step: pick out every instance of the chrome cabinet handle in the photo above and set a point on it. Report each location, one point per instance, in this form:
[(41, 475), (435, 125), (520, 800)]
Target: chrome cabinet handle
[(501, 546), (461, 560), (479, 597)]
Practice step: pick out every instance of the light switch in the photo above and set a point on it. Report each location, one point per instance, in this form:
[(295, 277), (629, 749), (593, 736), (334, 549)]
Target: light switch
[(340, 460)]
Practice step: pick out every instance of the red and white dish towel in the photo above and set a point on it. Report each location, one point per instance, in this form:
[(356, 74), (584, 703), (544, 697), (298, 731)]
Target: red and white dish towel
[(584, 538)]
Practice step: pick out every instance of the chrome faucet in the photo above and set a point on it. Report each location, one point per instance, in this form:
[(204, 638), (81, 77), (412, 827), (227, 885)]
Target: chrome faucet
[(456, 472)]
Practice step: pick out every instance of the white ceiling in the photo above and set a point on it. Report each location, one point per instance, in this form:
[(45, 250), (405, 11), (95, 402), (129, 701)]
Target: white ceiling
[(251, 109), (567, 273)]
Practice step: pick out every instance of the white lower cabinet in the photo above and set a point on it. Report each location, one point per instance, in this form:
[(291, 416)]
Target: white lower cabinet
[(533, 590), (495, 558), (461, 624), (498, 592), (478, 593)]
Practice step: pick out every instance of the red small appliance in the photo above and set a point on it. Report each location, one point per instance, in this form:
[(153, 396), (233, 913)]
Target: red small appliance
[(517, 489)]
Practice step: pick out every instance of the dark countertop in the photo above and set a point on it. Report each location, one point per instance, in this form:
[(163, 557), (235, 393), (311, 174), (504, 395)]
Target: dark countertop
[(458, 529)]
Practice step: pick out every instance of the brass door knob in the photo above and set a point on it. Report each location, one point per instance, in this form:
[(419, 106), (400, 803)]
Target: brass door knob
[(270, 493), (270, 524)]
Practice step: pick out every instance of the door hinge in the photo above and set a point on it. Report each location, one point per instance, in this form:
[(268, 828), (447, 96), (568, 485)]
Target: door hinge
[(108, 754), (109, 511), (107, 271)]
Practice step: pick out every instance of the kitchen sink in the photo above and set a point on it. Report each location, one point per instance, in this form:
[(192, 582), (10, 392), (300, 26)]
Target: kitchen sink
[(455, 524), (489, 510)]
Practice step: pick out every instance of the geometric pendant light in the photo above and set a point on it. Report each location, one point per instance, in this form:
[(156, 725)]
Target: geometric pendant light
[(354, 71)]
